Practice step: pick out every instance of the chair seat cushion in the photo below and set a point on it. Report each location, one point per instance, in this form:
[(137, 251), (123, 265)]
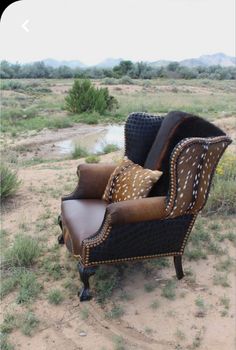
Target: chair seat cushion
[(81, 219)]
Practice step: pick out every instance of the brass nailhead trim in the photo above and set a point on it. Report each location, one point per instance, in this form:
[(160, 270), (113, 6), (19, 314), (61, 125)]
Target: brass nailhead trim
[(87, 263)]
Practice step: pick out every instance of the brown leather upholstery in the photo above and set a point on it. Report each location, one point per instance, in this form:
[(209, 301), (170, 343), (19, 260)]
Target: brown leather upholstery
[(93, 179), (136, 210), (81, 219)]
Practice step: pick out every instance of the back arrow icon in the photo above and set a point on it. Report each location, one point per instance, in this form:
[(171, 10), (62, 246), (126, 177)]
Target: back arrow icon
[(24, 25)]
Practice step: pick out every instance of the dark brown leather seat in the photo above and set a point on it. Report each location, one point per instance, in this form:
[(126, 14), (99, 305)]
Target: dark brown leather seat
[(82, 218)]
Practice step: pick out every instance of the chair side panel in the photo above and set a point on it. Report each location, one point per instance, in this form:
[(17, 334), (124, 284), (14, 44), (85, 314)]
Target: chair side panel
[(142, 240)]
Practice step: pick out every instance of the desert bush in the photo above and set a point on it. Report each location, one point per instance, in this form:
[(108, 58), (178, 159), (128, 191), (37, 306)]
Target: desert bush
[(12, 114), (12, 85), (55, 297), (23, 252), (110, 147), (84, 97), (223, 193), (106, 280), (79, 152), (4, 343), (93, 158), (110, 81), (9, 182), (29, 287), (126, 80)]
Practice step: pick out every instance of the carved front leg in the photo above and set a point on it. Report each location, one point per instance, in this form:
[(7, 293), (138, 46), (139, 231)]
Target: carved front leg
[(85, 273)]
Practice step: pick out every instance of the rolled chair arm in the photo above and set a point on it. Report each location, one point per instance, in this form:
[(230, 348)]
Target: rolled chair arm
[(93, 179), (137, 210)]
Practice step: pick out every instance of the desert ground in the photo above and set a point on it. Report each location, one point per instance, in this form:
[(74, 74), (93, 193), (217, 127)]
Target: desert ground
[(147, 307)]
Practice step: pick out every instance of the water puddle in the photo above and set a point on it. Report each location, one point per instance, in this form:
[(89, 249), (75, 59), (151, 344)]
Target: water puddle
[(93, 141)]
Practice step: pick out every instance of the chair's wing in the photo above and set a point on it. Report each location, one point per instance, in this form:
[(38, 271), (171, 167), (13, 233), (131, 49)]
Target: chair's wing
[(140, 132), (192, 167)]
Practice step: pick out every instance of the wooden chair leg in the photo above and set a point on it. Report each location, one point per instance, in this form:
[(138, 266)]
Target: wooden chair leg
[(60, 238), (85, 273), (178, 266)]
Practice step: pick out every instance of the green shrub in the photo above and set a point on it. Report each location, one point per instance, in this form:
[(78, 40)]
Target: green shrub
[(55, 297), (28, 323), (12, 114), (12, 85), (223, 193), (168, 291), (79, 152), (92, 159), (106, 280), (9, 323), (29, 287), (23, 253), (126, 80), (9, 181), (91, 118), (110, 147), (116, 312), (4, 344), (84, 97)]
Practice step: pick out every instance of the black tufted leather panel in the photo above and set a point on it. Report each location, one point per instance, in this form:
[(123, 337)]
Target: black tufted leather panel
[(142, 239), (140, 132)]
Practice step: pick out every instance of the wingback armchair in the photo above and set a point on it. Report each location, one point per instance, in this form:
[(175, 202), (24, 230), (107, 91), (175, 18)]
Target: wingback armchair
[(187, 149)]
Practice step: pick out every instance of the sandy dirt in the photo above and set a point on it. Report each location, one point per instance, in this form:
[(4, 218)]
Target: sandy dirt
[(174, 325)]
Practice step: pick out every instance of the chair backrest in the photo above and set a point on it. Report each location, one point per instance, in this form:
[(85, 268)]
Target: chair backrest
[(175, 127), (192, 167), (140, 132)]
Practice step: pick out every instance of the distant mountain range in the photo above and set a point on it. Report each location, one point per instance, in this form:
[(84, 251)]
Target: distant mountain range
[(204, 60)]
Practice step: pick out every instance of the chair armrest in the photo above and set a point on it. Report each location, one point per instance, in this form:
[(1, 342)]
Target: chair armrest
[(145, 209), (93, 179)]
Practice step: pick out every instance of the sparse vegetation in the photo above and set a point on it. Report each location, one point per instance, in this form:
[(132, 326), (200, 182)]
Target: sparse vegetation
[(110, 147), (29, 322), (55, 296), (9, 181), (105, 281), (149, 287), (116, 312), (201, 307), (29, 287), (23, 253), (79, 152), (84, 313), (4, 343), (223, 194), (221, 279), (119, 343), (93, 158), (155, 305), (168, 291)]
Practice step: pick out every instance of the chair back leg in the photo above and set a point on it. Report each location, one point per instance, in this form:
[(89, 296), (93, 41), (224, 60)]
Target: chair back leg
[(178, 267)]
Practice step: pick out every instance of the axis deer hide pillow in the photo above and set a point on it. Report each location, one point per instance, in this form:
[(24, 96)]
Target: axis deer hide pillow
[(130, 181)]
